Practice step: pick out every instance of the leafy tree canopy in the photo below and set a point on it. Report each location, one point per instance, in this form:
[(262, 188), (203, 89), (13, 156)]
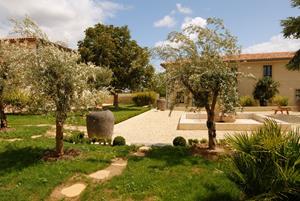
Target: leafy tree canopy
[(265, 89), (291, 28), (195, 59), (112, 47)]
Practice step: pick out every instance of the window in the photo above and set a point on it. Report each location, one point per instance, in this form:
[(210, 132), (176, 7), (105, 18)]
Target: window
[(297, 95), (267, 71)]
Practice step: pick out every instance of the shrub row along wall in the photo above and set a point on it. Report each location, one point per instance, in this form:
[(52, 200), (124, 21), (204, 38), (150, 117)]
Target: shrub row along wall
[(123, 98)]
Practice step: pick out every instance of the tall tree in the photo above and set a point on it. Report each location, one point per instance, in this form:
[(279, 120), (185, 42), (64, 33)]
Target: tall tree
[(112, 47), (195, 59), (291, 29), (57, 78)]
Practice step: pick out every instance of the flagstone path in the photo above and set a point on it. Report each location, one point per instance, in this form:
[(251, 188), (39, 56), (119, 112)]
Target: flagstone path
[(71, 189)]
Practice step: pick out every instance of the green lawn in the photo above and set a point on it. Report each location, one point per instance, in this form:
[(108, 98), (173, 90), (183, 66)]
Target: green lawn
[(24, 176), (167, 173), (124, 112), (25, 132)]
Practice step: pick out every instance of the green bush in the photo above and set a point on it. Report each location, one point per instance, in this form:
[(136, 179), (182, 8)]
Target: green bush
[(179, 141), (16, 99), (247, 101), (265, 89), (75, 137), (281, 100), (119, 141), (203, 141), (193, 142), (266, 164), (144, 98)]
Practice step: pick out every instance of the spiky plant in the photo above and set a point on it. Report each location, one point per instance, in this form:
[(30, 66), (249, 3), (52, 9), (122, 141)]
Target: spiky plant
[(266, 163)]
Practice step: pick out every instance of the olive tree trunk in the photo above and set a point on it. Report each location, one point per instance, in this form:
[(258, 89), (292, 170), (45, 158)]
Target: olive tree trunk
[(59, 137), (211, 126), (3, 119), (210, 123)]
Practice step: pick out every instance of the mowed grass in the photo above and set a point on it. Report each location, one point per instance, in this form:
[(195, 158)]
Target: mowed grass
[(124, 112), (167, 173), (24, 176), (23, 132)]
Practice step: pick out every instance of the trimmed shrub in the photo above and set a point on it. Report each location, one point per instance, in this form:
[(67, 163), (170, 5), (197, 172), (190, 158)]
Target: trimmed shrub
[(144, 98), (179, 141), (119, 141), (203, 141), (75, 137), (281, 100), (193, 142), (247, 101)]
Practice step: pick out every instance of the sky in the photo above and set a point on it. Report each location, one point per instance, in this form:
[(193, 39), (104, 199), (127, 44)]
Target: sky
[(256, 23)]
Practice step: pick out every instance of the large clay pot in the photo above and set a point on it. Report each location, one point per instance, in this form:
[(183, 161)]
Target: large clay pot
[(100, 124), (161, 104)]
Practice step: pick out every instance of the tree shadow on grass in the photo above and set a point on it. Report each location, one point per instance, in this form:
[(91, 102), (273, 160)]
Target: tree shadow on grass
[(175, 156), (215, 192), (16, 159)]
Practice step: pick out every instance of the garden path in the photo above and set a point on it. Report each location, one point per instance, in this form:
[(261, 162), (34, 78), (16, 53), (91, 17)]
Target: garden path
[(72, 189)]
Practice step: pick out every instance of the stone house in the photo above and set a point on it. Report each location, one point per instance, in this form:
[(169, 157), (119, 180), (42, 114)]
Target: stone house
[(263, 64)]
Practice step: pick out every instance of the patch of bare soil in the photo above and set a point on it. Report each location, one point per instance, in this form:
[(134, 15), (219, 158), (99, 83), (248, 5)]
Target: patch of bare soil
[(51, 155), (202, 150)]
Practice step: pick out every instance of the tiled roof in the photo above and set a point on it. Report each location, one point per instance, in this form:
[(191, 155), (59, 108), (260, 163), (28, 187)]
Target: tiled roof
[(262, 56), (33, 39)]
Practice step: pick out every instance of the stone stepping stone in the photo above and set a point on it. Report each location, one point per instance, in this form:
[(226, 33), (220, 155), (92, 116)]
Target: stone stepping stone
[(74, 190), (144, 149), (139, 154), (120, 164), (36, 136), (12, 139), (100, 175)]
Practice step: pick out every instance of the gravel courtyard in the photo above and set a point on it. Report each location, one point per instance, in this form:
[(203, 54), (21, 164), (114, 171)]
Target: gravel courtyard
[(156, 127)]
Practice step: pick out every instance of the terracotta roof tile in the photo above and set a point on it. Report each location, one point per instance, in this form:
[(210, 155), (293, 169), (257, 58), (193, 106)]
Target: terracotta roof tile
[(262, 56)]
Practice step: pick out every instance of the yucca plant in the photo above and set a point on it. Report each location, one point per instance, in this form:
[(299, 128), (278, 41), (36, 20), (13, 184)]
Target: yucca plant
[(266, 163)]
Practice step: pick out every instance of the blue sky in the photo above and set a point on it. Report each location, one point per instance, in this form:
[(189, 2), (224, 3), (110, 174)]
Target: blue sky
[(256, 23), (252, 21)]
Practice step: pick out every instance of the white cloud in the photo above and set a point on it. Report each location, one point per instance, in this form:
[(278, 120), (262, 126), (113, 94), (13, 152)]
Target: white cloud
[(275, 44), (166, 21), (182, 9), (197, 21), (167, 43), (63, 20)]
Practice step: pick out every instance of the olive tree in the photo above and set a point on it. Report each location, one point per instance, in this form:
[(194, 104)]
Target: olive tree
[(57, 77), (11, 73), (197, 59)]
